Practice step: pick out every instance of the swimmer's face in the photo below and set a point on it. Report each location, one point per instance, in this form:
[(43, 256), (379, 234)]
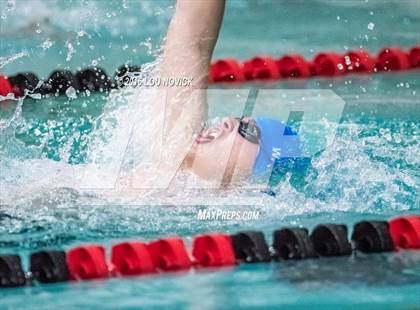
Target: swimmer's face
[(220, 152)]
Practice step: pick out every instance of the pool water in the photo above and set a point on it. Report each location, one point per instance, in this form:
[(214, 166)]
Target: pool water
[(371, 171)]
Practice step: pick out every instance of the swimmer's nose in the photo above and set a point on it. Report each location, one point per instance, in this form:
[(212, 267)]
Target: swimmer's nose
[(228, 124)]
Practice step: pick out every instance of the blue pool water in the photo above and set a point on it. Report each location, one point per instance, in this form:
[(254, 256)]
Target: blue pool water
[(371, 171)]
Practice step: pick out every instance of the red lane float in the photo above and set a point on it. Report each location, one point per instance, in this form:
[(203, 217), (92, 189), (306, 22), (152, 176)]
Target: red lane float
[(226, 70), (405, 231), (359, 61), (261, 68), (5, 87), (87, 262), (324, 64), (213, 250), (293, 66), (393, 59), (329, 64), (414, 56), (169, 254), (132, 258)]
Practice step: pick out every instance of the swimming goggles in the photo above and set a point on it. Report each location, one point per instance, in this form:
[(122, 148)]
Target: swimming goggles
[(249, 130)]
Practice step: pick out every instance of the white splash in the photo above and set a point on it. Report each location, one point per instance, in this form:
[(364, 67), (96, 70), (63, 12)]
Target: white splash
[(9, 59)]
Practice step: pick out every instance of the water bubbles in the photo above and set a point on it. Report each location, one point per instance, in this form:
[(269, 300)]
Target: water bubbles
[(81, 33), (46, 44), (388, 137), (382, 131), (70, 51), (148, 44), (371, 26)]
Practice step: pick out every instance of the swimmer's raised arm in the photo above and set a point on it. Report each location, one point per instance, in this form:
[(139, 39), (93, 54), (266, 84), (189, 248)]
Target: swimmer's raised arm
[(187, 51)]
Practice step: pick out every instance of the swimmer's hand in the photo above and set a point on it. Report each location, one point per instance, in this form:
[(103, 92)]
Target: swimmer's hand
[(191, 37)]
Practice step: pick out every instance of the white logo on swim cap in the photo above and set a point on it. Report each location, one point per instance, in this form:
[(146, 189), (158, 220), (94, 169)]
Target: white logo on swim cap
[(276, 153)]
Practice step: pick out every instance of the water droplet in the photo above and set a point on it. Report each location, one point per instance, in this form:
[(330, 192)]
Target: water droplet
[(46, 44), (70, 51), (347, 60), (71, 92), (35, 96)]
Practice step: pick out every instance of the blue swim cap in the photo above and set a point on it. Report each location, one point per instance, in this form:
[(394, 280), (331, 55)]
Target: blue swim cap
[(278, 143)]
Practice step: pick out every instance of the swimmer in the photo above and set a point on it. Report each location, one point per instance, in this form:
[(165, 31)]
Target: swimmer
[(229, 151)]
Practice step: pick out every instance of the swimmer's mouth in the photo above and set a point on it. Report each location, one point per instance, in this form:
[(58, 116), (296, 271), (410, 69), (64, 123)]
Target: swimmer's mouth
[(208, 135)]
